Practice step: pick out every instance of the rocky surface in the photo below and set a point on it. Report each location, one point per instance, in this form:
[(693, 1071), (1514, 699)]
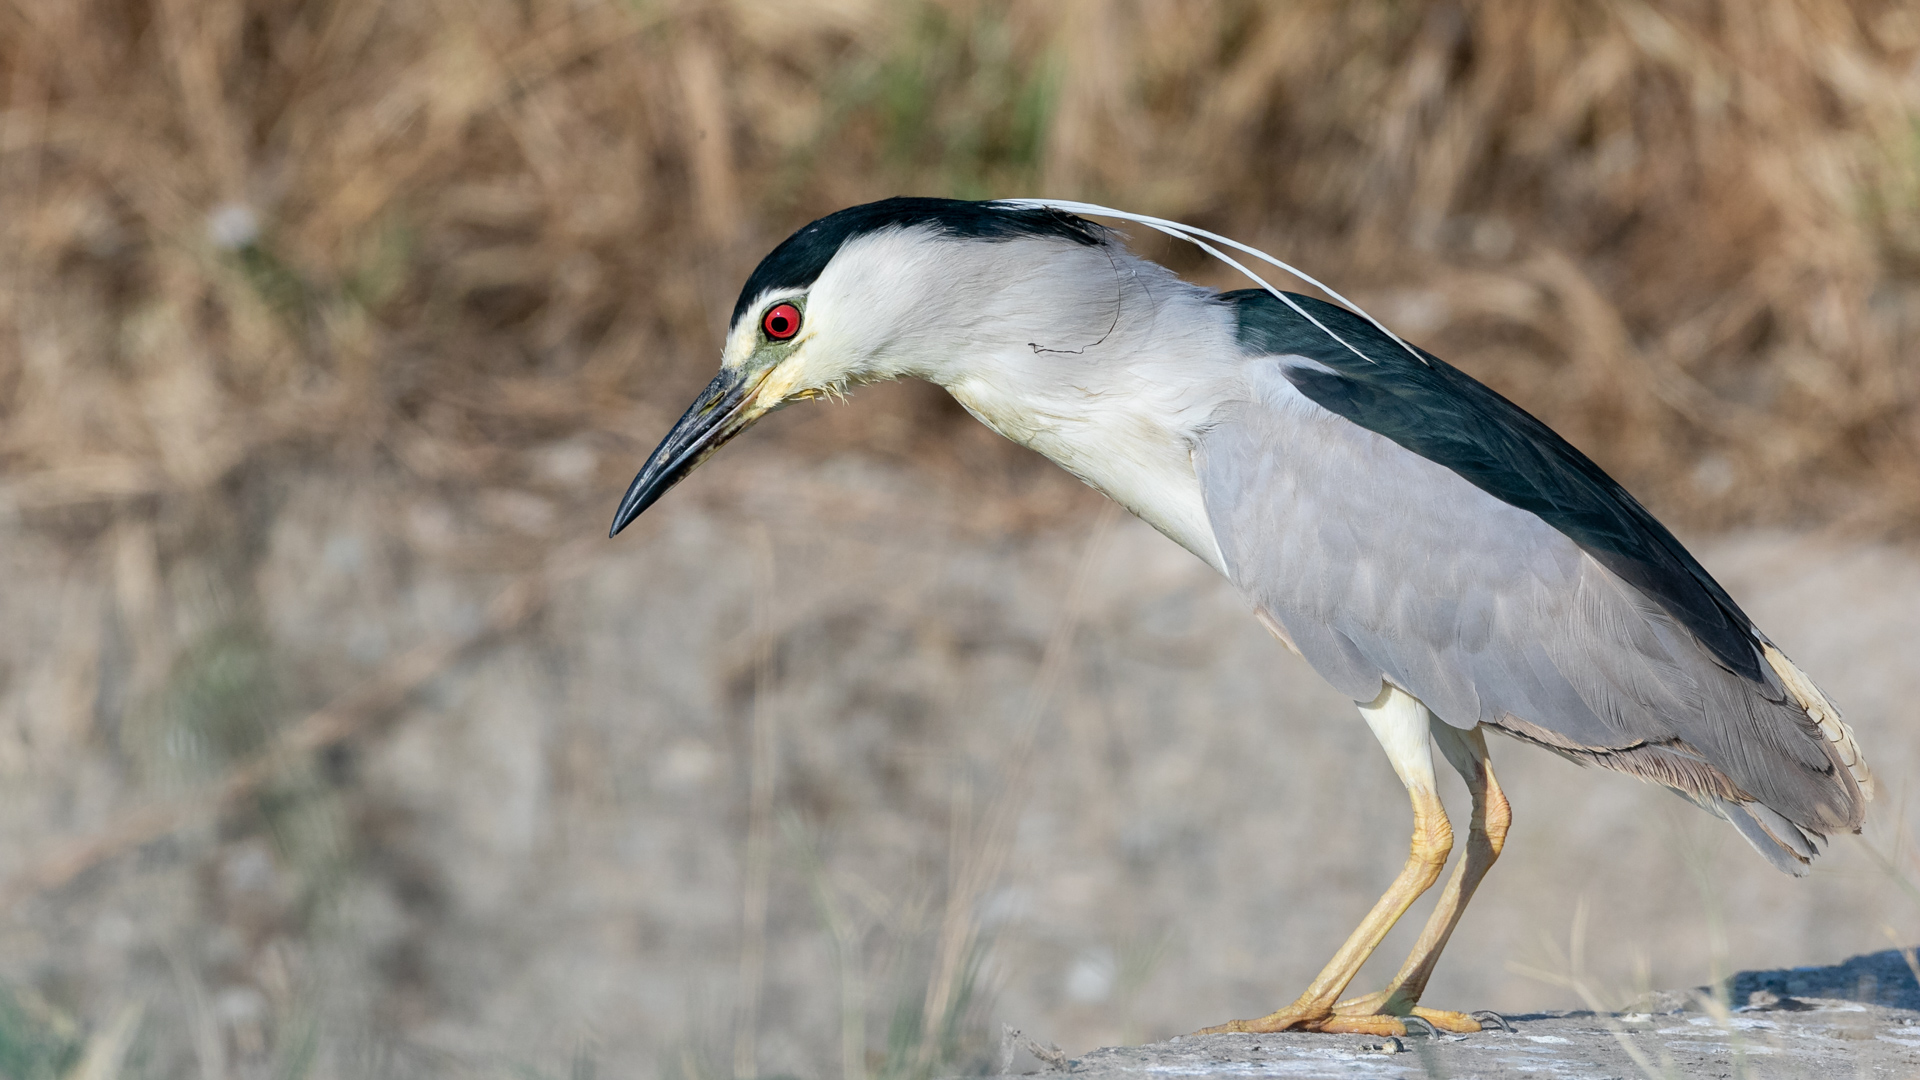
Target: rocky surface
[(1860, 1018)]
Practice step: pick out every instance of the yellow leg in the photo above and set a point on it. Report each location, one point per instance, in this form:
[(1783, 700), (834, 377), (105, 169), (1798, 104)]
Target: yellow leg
[(1487, 834), (1400, 722)]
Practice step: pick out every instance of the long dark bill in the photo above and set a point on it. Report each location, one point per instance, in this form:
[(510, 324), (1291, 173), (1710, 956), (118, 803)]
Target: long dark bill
[(718, 414)]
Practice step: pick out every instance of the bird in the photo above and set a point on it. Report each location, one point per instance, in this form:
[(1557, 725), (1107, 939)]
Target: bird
[(1432, 550)]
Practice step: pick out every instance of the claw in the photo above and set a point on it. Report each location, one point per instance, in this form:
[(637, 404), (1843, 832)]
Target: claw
[(1432, 1032), (1489, 1018)]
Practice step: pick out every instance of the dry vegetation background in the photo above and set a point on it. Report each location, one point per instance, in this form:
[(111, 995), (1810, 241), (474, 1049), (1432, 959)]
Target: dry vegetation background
[(334, 742)]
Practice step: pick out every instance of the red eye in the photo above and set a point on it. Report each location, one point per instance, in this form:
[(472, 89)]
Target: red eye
[(781, 321)]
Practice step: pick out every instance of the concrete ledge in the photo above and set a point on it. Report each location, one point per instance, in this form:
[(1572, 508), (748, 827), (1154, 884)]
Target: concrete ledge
[(1860, 1018)]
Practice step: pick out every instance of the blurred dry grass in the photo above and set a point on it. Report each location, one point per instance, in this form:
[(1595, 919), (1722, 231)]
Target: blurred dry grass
[(437, 233), (450, 265)]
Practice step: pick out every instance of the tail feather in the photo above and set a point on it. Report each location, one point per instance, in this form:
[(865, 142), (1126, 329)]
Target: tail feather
[(1821, 712), (1790, 848)]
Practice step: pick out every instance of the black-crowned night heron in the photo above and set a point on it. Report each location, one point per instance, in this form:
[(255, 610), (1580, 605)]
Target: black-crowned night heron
[(1434, 552)]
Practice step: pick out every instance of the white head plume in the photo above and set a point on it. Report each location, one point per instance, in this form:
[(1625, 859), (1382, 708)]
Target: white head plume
[(1205, 241)]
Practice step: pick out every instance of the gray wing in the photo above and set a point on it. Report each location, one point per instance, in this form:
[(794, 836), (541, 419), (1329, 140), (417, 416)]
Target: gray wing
[(1384, 565)]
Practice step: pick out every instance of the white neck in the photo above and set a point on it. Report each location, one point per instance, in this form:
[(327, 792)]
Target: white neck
[(1114, 398), (1106, 363)]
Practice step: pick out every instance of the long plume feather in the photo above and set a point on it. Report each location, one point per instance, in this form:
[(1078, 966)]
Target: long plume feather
[(1205, 241)]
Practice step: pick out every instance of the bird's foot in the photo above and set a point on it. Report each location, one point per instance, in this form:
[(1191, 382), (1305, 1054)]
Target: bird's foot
[(1299, 1016), (1363, 1024), (1384, 1006)]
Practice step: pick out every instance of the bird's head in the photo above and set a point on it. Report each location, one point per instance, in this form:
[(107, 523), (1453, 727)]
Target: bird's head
[(874, 292)]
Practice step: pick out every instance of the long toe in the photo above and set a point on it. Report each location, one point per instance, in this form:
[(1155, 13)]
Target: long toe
[(1447, 1019), (1294, 1017), (1375, 1024), (1378, 1004)]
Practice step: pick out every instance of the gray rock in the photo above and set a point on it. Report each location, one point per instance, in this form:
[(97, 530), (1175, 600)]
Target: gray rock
[(1858, 1018)]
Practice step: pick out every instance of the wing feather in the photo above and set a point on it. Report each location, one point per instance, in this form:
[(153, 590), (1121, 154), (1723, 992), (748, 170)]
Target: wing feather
[(1383, 564)]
